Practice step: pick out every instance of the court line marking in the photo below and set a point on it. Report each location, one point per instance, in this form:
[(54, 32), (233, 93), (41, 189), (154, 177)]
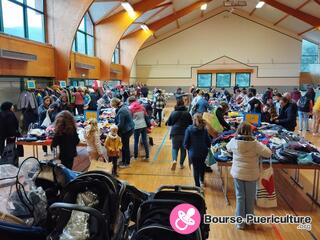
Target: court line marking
[(161, 145)]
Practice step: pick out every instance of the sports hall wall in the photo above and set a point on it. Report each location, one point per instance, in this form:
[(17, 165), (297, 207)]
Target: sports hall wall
[(224, 41)]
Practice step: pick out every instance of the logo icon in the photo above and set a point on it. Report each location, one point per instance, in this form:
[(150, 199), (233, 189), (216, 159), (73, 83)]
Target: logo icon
[(185, 219)]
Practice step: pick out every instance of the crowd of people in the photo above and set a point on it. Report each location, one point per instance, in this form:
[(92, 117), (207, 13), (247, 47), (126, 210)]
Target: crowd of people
[(274, 107), (59, 107), (189, 131)]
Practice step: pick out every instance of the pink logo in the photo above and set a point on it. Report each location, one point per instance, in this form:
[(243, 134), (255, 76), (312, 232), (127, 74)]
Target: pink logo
[(185, 219)]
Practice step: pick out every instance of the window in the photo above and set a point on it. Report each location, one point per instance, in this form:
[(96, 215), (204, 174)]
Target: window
[(204, 80), (23, 18), (310, 55), (243, 79), (116, 55), (223, 80), (84, 40)]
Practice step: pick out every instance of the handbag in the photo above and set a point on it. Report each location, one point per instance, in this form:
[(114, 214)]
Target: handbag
[(10, 155), (47, 121), (266, 194)]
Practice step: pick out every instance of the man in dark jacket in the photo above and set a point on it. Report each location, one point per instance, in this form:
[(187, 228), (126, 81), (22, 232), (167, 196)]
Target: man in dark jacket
[(125, 125), (9, 126), (288, 114), (144, 91)]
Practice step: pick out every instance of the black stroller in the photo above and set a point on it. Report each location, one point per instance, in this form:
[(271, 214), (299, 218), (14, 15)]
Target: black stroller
[(153, 218), (107, 206)]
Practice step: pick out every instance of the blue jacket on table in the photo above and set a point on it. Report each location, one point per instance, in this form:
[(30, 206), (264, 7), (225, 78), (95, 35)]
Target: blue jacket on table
[(288, 116), (197, 142), (124, 120)]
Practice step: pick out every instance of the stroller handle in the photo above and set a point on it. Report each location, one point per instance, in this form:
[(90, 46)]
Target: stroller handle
[(91, 211), (179, 188)]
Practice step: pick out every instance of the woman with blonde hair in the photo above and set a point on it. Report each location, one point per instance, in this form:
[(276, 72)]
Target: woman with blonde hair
[(66, 137), (92, 135), (245, 168), (197, 142)]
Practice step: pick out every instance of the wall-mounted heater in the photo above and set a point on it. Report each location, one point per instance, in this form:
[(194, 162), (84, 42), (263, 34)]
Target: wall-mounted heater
[(85, 66), (17, 55)]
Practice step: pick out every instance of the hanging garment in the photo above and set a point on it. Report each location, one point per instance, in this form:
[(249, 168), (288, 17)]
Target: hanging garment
[(27, 99)]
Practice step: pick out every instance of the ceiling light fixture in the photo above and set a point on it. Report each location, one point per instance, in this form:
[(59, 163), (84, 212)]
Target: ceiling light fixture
[(260, 4), (127, 6), (145, 27), (204, 7)]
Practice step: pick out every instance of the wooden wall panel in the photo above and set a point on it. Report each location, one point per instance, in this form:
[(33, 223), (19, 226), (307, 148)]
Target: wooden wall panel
[(44, 66), (76, 72), (116, 72), (63, 18)]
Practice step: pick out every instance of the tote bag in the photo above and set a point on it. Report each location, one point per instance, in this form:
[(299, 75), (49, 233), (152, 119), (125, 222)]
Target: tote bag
[(266, 193), (47, 121), (213, 121)]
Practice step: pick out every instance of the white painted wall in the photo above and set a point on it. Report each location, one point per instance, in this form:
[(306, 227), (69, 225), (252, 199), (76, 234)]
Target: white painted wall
[(169, 62)]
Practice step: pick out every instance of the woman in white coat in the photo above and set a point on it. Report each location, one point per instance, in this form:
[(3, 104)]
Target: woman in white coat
[(245, 168)]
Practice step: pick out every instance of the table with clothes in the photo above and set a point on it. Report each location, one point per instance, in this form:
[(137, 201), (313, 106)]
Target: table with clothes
[(40, 136), (290, 151)]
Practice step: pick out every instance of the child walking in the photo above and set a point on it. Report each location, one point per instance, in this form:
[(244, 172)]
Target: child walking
[(245, 168), (113, 145), (92, 135), (197, 142), (66, 137)]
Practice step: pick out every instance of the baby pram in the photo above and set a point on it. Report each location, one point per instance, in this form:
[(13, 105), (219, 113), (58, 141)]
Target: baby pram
[(153, 222), (153, 218), (107, 211), (191, 195)]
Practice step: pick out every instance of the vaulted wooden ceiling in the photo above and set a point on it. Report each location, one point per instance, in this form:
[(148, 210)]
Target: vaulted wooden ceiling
[(301, 17)]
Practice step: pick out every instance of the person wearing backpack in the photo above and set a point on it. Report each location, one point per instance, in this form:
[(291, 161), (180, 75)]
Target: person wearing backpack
[(305, 105)]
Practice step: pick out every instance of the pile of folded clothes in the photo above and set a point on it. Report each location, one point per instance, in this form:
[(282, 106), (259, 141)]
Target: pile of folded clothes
[(287, 147)]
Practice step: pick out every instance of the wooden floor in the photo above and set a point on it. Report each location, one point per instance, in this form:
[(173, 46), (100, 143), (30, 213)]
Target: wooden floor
[(150, 175)]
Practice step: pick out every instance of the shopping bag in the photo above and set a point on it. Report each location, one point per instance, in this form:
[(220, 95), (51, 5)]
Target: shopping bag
[(97, 165), (266, 193), (10, 155), (210, 160), (213, 121), (47, 121)]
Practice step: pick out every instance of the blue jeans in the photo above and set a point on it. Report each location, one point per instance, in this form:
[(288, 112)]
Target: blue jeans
[(143, 133), (303, 121), (245, 196), (177, 144)]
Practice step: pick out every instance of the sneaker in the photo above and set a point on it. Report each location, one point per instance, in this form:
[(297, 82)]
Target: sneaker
[(146, 159), (121, 165), (202, 185), (174, 165), (181, 166)]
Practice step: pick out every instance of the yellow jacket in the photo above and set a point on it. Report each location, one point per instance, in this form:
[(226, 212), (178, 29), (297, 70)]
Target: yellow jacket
[(316, 107), (113, 145)]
